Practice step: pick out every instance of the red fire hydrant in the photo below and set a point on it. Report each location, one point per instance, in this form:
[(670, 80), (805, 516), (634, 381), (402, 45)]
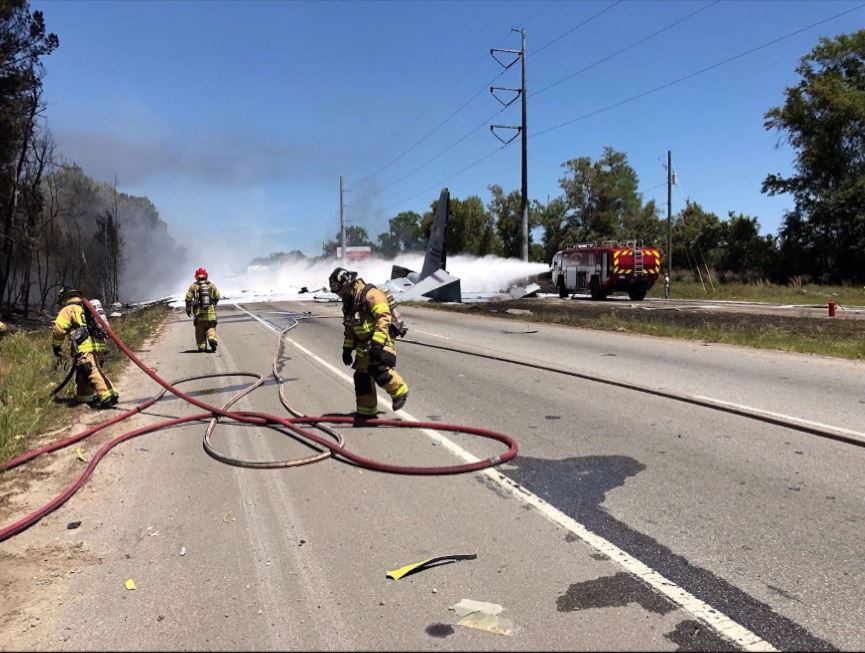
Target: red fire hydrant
[(831, 309)]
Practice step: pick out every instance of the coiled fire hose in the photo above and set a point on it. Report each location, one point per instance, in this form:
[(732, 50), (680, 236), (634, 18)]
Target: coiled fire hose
[(293, 426)]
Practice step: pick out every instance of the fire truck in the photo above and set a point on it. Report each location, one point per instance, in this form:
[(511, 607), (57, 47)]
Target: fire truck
[(605, 268)]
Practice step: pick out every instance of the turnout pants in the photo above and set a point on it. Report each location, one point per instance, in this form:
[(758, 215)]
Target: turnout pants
[(367, 373), (90, 381), (205, 334)]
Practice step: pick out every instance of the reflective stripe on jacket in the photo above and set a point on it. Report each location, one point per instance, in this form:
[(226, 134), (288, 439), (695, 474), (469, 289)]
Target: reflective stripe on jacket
[(370, 319), (208, 313), (70, 319)]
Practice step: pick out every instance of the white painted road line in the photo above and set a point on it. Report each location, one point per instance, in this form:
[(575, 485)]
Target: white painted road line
[(428, 333), (857, 435), (715, 619)]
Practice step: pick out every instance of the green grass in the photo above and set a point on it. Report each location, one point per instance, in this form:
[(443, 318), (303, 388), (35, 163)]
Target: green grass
[(746, 333), (794, 293), (29, 375)]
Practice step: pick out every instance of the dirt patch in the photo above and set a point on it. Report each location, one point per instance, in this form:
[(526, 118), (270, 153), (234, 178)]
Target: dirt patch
[(36, 564), (596, 315), (31, 581)]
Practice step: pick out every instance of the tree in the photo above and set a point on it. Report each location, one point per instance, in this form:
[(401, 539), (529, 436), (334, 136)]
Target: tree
[(743, 250), (404, 234), (506, 212), (470, 229), (553, 220), (600, 196), (696, 235), (823, 120), (355, 236), (23, 42)]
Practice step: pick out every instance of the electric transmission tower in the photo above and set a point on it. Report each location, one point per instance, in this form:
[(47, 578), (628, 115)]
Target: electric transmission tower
[(519, 55)]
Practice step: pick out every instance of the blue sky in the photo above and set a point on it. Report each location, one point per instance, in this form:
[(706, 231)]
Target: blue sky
[(237, 118)]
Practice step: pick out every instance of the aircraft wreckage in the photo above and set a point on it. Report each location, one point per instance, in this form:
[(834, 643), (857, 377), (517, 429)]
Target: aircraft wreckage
[(434, 282)]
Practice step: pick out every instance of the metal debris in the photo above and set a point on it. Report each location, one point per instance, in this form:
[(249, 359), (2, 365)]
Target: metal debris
[(483, 616)]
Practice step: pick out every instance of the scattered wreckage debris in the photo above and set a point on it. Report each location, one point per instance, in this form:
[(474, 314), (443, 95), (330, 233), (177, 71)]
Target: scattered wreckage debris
[(423, 565), (483, 616)]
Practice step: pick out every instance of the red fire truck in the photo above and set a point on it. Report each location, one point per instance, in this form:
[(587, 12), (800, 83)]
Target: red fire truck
[(605, 268)]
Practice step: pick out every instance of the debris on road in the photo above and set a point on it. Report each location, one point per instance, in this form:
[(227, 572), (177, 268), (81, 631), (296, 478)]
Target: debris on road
[(129, 584), (73, 525), (183, 550), (228, 517), (483, 616), (80, 453), (415, 567)]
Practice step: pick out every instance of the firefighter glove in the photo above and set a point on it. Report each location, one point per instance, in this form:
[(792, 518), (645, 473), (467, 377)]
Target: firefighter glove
[(346, 356), (376, 350), (58, 352)]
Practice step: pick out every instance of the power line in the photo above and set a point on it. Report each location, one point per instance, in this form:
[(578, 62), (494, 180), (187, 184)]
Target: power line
[(434, 157), (625, 49), (441, 181), (465, 104), (441, 95), (575, 28), (699, 72), (430, 132)]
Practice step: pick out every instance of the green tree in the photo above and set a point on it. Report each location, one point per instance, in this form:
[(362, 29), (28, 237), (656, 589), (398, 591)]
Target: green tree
[(823, 120), (743, 250), (355, 236), (552, 218), (470, 229), (696, 236), (600, 196), (505, 211), (644, 225), (404, 234)]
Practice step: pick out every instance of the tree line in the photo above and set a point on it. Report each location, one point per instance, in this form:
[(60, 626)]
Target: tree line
[(822, 238), (57, 225)]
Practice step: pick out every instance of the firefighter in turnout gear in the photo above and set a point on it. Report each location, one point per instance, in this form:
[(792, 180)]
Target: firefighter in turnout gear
[(367, 319), (201, 300), (88, 345)]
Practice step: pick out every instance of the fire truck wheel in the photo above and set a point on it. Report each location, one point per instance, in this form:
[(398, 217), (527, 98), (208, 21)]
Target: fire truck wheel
[(637, 295), (595, 290), (562, 292)]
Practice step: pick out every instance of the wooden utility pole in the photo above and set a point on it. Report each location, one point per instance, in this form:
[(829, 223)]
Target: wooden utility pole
[(670, 213), (341, 223)]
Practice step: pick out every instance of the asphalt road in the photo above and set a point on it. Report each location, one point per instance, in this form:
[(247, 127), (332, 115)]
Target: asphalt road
[(627, 521)]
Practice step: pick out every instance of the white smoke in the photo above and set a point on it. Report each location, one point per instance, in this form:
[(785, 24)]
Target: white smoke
[(487, 274)]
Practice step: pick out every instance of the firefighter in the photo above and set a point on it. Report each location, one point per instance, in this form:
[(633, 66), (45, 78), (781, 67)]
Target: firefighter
[(88, 348), (666, 286), (201, 299), (367, 321)]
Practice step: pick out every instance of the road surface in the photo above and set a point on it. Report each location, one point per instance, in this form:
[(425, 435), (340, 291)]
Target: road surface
[(627, 521)]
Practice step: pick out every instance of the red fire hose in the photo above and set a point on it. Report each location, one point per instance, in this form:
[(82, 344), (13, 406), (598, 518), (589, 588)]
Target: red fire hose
[(326, 446)]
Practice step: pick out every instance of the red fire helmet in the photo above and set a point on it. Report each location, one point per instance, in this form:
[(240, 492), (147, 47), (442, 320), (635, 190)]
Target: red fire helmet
[(200, 272)]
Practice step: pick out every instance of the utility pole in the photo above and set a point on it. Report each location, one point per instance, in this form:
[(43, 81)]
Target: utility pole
[(520, 55), (670, 213), (341, 223)]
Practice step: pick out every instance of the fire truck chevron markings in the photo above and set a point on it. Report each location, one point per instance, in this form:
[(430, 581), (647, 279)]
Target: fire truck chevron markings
[(718, 621)]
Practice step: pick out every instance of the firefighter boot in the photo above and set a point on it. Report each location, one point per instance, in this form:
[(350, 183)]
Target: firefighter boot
[(212, 343), (106, 399), (399, 402)]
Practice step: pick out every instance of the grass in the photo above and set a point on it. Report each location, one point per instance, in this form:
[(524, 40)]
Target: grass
[(762, 291), (28, 376), (839, 337)]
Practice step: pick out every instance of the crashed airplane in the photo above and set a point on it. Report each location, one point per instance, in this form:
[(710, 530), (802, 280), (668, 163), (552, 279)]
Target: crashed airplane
[(434, 282)]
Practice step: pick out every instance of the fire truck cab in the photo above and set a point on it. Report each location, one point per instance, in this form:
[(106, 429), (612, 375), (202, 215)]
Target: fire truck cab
[(605, 268)]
